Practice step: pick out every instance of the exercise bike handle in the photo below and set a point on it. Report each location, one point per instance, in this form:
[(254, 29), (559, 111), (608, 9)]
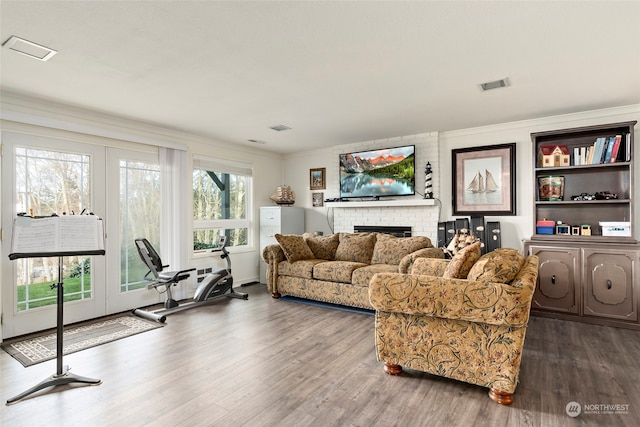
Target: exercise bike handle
[(222, 245)]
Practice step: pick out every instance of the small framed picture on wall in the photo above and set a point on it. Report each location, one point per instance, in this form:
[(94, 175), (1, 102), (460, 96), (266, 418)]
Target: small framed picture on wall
[(317, 199), (317, 178)]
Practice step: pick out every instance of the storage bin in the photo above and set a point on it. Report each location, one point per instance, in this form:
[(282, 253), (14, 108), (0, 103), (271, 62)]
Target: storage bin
[(619, 229)]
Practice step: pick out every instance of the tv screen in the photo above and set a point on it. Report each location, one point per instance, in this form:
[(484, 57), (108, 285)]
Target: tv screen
[(377, 173)]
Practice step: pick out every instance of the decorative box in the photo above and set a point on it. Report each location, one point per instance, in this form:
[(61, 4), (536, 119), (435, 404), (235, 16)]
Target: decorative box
[(619, 229), (545, 227)]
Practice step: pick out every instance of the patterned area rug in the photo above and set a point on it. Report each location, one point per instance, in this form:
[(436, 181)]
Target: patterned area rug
[(36, 349)]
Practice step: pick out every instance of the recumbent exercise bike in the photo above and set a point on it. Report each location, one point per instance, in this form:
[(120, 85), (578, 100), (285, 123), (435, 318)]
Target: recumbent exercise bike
[(215, 285)]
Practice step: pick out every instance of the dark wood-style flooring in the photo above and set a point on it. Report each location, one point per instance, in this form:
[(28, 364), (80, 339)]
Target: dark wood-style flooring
[(266, 362)]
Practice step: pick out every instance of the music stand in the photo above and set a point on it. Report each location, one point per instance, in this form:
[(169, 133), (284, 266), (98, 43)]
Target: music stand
[(57, 236)]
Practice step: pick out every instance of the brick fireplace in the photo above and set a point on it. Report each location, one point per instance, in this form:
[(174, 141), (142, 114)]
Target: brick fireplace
[(422, 220)]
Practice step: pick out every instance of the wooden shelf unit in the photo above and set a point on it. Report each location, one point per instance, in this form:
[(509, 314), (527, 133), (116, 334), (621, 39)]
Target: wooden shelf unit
[(613, 177), (587, 278)]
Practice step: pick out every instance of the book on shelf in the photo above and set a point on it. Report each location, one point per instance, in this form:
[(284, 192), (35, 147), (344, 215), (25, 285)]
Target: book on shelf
[(627, 156), (576, 156), (590, 153), (598, 147), (616, 148), (610, 143)]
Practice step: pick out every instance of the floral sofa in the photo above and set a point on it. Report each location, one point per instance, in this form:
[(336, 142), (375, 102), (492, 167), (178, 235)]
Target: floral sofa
[(337, 268), (463, 319)]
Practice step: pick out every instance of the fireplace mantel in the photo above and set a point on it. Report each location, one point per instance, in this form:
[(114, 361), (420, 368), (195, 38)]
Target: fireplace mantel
[(381, 203)]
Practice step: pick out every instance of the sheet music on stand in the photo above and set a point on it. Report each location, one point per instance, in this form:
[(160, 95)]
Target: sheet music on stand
[(64, 235), (59, 236)]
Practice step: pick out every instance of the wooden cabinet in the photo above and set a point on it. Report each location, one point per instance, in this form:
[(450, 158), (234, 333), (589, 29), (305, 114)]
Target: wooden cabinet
[(585, 274), (558, 286), (274, 220), (590, 282)]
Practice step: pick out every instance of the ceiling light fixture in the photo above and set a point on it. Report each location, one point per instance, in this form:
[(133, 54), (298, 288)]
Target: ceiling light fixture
[(280, 128), (494, 84), (30, 49)]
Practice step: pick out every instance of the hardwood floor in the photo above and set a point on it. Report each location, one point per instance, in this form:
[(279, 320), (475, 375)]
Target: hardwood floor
[(266, 362)]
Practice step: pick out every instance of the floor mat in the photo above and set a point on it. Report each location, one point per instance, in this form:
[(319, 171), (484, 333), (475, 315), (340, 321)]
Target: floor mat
[(33, 349)]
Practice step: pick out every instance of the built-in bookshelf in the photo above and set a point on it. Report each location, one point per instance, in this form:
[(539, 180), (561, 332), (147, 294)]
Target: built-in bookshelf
[(592, 192), (587, 272)]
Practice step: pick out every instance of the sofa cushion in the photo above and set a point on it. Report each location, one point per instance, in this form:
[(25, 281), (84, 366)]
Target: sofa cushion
[(390, 249), (301, 268), (461, 263), (294, 247), (336, 271), (499, 266), (356, 247), (362, 276), (323, 247), (429, 266)]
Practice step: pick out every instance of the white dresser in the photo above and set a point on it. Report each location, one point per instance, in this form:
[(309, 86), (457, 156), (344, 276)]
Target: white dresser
[(277, 219)]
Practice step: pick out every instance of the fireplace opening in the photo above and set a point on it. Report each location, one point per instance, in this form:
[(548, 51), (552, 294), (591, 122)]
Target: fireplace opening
[(398, 231)]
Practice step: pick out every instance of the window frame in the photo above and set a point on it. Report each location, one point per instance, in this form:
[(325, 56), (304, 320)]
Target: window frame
[(226, 167)]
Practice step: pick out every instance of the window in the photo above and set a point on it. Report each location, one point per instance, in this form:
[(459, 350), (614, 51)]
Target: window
[(51, 182), (139, 217), (221, 199)]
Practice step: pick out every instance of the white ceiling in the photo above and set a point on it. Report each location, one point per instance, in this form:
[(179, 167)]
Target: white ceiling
[(335, 72)]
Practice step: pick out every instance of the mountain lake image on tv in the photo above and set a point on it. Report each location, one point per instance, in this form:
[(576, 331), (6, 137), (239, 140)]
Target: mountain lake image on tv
[(378, 173)]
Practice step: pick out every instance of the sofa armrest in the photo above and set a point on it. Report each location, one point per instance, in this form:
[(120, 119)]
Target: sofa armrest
[(457, 299), (408, 260), (272, 255)]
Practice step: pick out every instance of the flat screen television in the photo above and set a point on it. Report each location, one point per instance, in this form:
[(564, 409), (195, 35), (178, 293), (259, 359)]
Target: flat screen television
[(378, 173)]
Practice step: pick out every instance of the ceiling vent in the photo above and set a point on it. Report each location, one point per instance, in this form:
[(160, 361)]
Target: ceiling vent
[(280, 128), (30, 49), (495, 84), (257, 141)]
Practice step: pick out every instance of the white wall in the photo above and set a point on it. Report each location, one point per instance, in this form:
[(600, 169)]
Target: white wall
[(514, 229)]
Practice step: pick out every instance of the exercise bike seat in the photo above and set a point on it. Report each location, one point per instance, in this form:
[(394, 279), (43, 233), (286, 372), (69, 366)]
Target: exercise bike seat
[(151, 258)]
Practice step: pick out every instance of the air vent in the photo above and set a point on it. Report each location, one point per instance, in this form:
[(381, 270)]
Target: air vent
[(495, 84), (280, 128), (257, 141), (30, 49)]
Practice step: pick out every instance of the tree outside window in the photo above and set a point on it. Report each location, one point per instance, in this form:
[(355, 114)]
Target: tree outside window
[(219, 208)]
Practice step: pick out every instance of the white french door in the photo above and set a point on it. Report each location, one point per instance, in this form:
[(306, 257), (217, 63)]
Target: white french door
[(134, 210), (42, 176)]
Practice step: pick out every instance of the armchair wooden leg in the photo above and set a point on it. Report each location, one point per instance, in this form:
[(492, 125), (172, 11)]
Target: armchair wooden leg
[(275, 295), (392, 369), (500, 397)]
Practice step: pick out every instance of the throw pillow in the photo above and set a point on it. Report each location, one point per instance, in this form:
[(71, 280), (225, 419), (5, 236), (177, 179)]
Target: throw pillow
[(323, 247), (499, 266), (390, 249), (461, 263), (294, 247), (357, 247)]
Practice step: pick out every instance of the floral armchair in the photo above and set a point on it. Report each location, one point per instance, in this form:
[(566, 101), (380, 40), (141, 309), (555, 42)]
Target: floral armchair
[(470, 329)]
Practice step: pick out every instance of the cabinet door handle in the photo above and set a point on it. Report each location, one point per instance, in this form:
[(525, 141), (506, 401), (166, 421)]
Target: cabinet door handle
[(553, 279), (609, 284)]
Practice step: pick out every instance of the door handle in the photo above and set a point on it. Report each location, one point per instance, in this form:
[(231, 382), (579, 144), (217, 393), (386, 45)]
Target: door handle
[(609, 284), (553, 279)]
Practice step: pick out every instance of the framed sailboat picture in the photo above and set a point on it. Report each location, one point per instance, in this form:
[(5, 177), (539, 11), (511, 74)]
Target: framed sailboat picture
[(484, 180)]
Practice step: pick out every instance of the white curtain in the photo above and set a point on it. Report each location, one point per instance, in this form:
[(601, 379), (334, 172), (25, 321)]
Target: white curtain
[(175, 218)]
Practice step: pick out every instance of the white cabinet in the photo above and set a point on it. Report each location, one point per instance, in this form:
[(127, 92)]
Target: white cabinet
[(274, 220)]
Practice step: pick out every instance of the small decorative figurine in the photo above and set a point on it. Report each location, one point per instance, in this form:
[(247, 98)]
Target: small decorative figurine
[(428, 186)]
